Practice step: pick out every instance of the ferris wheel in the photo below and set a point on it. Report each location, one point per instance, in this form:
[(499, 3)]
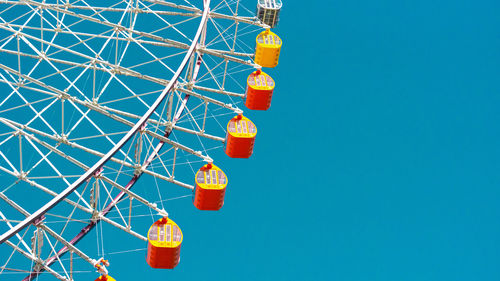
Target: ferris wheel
[(99, 97)]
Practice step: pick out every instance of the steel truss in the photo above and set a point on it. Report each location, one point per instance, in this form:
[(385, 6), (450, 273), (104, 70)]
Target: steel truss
[(166, 108)]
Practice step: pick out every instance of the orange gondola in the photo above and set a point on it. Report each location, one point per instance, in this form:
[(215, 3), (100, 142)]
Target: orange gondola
[(240, 137), (260, 87), (164, 244), (210, 189)]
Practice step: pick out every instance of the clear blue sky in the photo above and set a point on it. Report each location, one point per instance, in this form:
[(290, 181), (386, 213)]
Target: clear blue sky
[(378, 159)]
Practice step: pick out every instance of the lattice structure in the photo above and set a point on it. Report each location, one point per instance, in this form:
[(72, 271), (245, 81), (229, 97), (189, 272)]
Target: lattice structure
[(95, 97)]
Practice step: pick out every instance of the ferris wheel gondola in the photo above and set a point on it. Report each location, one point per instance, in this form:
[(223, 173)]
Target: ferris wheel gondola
[(101, 98)]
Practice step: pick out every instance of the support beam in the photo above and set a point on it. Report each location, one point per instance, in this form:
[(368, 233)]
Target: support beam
[(37, 261), (98, 165)]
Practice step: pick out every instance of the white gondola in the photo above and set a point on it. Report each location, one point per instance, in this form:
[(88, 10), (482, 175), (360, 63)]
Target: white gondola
[(268, 11)]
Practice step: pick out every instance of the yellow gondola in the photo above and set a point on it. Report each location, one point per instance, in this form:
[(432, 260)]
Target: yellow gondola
[(267, 50), (105, 278)]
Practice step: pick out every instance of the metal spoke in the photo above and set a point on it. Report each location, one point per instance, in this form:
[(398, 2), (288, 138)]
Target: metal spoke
[(97, 96)]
